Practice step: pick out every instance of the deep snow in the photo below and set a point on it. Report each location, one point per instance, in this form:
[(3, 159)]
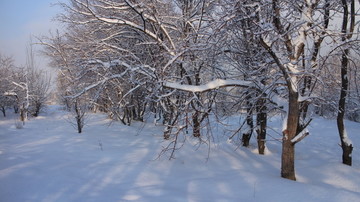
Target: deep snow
[(48, 160)]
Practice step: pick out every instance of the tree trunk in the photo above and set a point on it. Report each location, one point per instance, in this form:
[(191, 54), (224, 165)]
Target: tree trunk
[(3, 110), (304, 106), (287, 160), (196, 124), (249, 121), (345, 144), (261, 121), (78, 117), (79, 124), (170, 126), (167, 132), (195, 105), (16, 109), (288, 148), (170, 118), (247, 136), (37, 109), (23, 114)]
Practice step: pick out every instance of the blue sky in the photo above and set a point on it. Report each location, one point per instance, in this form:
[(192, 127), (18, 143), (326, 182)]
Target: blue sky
[(19, 20)]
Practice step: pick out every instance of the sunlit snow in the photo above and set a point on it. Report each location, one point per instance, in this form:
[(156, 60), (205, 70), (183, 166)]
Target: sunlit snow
[(48, 160)]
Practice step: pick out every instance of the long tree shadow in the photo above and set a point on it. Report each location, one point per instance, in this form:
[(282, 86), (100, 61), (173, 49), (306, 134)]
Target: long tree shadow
[(49, 161)]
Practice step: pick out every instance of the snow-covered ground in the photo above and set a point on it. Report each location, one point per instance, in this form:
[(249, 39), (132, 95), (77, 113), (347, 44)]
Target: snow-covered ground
[(48, 161)]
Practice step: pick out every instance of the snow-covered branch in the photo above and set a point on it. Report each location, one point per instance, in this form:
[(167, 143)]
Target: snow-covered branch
[(215, 84), (99, 83), (122, 21), (300, 136)]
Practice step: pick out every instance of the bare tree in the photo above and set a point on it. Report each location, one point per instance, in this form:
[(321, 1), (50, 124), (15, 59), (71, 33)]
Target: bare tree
[(177, 58), (7, 95), (347, 33), (296, 55)]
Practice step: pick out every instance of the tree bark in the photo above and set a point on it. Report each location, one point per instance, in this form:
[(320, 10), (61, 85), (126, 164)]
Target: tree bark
[(23, 113), (196, 124), (247, 136), (196, 115), (261, 121), (287, 160), (288, 148), (3, 110), (249, 121), (345, 143), (78, 117)]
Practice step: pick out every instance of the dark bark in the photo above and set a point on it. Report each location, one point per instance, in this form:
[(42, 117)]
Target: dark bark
[(79, 125), (38, 106), (195, 105), (261, 121), (16, 109), (247, 136), (3, 111), (345, 145), (170, 118), (79, 117), (249, 121), (196, 124)]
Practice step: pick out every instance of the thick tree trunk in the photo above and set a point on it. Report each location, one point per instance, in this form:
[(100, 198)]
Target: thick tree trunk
[(288, 148), (287, 160), (347, 153)]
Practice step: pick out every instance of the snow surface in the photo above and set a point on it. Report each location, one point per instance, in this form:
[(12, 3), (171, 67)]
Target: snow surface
[(48, 160)]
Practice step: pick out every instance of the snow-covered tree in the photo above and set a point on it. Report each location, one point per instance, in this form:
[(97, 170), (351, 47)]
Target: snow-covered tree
[(292, 33), (347, 31), (24, 88), (182, 59), (7, 96)]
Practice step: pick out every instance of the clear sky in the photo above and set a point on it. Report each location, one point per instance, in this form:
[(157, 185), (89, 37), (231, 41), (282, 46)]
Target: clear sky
[(21, 19)]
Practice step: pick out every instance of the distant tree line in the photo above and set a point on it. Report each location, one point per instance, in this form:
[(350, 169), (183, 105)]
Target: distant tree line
[(23, 89)]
